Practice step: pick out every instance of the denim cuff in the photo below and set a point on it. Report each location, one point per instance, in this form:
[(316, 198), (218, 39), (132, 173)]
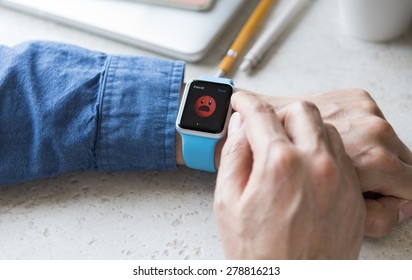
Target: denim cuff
[(138, 104)]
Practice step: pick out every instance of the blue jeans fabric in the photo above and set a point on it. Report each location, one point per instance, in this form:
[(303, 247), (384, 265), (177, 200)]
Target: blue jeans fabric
[(66, 109)]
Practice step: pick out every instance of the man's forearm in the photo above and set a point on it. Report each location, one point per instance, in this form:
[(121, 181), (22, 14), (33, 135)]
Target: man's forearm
[(68, 109)]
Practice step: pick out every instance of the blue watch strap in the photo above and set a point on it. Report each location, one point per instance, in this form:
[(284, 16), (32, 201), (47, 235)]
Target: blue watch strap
[(199, 152)]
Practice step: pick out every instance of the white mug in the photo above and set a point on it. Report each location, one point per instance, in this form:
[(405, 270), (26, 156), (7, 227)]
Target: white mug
[(376, 20)]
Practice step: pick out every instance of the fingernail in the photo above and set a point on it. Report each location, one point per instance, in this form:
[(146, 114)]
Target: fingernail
[(235, 123), (405, 212)]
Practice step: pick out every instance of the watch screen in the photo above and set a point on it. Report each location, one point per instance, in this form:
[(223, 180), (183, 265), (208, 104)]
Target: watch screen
[(206, 106)]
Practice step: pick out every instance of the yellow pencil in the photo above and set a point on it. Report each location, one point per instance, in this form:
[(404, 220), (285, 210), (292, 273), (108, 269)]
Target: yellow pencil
[(243, 38)]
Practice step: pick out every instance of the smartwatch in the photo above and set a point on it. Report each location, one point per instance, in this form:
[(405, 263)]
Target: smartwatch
[(203, 119)]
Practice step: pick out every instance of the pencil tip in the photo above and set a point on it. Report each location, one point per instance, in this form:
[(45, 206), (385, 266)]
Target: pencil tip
[(220, 73), (246, 66)]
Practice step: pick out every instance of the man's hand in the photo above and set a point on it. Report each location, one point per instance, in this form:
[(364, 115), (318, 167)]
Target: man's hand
[(383, 163), (286, 188)]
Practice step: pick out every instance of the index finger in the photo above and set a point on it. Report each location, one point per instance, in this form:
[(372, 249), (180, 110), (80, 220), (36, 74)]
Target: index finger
[(262, 125), (304, 126)]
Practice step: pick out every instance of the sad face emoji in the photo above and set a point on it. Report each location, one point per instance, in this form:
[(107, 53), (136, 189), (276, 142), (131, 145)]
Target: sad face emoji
[(205, 106)]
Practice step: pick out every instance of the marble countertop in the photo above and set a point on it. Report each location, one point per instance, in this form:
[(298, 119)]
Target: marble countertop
[(168, 215)]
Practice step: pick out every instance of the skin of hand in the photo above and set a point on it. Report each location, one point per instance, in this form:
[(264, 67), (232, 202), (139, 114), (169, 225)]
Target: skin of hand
[(286, 188), (382, 161)]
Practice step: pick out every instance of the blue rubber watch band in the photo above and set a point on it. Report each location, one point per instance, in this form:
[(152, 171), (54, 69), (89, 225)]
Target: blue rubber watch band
[(199, 152)]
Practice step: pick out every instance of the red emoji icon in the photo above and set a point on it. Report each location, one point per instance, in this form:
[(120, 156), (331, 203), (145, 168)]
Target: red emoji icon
[(205, 106)]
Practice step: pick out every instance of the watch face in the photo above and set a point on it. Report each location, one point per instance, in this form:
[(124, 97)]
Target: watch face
[(206, 106)]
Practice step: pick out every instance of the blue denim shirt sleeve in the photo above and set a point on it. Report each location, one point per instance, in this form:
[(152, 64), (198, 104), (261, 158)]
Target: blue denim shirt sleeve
[(67, 109)]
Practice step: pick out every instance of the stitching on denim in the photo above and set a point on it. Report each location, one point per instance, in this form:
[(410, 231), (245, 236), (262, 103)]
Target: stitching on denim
[(176, 81), (102, 89)]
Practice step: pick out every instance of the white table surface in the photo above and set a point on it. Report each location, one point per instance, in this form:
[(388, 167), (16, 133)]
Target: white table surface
[(168, 215)]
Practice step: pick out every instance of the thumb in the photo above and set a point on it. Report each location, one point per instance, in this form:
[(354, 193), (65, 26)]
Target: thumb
[(235, 162), (384, 213)]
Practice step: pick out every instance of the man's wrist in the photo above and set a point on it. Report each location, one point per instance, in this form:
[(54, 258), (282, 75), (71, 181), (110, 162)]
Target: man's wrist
[(179, 154)]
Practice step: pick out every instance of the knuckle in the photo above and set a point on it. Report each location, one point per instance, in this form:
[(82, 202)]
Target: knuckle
[(378, 129), (260, 106), (282, 158), (381, 127), (325, 167), (305, 106), (382, 159), (369, 106), (308, 111)]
